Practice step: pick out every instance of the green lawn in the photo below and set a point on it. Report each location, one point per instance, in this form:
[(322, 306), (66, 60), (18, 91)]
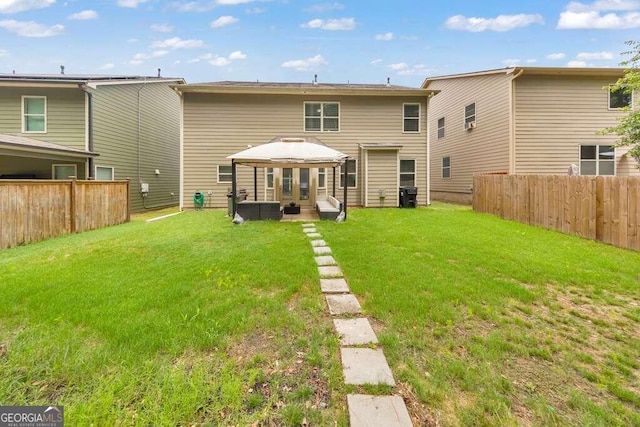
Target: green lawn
[(191, 320)]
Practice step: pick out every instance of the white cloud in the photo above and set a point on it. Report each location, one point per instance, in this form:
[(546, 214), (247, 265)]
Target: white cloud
[(600, 15), (15, 6), (3, 53), (238, 55), (205, 57), (530, 61), (139, 58), (130, 3), (384, 37), (399, 66), (404, 69), (575, 6), (232, 2), (500, 23), (376, 62), (590, 56), (511, 62), (108, 66), (223, 21), (220, 61), (84, 15), (341, 24), (177, 43), (324, 7), (161, 28), (31, 29), (305, 64), (556, 56), (255, 10), (578, 64)]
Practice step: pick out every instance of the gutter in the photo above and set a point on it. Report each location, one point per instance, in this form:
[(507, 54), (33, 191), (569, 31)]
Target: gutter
[(83, 87)]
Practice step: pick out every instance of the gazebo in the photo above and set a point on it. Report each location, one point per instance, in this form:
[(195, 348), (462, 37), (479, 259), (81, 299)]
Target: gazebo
[(287, 152)]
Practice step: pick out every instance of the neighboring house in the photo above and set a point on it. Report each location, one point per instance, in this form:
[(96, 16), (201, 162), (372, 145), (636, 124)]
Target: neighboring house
[(523, 120), (382, 128), (93, 127)]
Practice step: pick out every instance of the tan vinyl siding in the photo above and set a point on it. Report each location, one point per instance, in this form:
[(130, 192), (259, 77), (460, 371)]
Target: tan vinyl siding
[(483, 149), (381, 165), (136, 149), (218, 125), (65, 114), (555, 115)]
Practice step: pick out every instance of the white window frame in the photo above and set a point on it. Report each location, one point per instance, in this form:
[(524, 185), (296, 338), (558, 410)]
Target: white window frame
[(57, 165), (597, 160), (324, 174), (405, 118), (609, 92), (113, 172), (230, 173), (400, 173), (474, 115), (322, 116), (355, 186), (443, 168), (441, 128), (24, 121), (266, 178)]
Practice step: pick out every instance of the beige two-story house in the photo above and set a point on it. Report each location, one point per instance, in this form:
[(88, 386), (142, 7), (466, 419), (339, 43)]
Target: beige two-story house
[(382, 128), (523, 120)]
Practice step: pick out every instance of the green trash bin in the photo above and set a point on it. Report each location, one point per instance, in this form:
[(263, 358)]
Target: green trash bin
[(198, 200)]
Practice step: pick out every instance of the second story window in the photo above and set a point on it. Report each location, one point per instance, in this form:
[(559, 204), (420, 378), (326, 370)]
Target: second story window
[(619, 98), (470, 116), (411, 118), (441, 128), (34, 114), (321, 117)]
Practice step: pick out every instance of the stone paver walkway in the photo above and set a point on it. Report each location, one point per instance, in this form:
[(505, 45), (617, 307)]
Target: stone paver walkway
[(363, 362)]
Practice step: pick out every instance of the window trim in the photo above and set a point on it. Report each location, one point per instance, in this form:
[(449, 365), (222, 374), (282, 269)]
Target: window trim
[(442, 167), (404, 117), (113, 172), (609, 107), (55, 165), (324, 173), (24, 122), (475, 115), (414, 173), (353, 173), (322, 116), (444, 124), (230, 173), (266, 178), (597, 159)]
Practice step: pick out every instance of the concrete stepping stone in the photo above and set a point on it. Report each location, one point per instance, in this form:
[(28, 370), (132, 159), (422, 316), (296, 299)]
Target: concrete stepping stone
[(308, 224), (377, 411), (318, 243), (309, 230), (330, 271), (343, 304), (321, 250), (314, 235), (365, 366), (355, 331), (325, 260), (334, 286)]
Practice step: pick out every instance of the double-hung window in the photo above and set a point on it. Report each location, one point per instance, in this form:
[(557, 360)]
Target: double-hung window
[(411, 118), (407, 173), (224, 174), (619, 98), (321, 117), (441, 128), (269, 178), (470, 116), (34, 114), (597, 160), (446, 167), (350, 168), (322, 178)]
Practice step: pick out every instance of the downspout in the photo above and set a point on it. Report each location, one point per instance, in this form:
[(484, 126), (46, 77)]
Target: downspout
[(83, 87), (429, 151), (144, 83), (512, 120)]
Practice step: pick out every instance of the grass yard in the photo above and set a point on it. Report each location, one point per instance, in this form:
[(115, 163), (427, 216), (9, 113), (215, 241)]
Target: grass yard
[(190, 320)]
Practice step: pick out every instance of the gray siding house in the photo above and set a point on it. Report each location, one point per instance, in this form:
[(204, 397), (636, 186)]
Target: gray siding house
[(523, 120), (382, 128), (93, 127)]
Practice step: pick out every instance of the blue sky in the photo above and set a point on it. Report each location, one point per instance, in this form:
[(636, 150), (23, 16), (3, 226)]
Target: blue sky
[(362, 41)]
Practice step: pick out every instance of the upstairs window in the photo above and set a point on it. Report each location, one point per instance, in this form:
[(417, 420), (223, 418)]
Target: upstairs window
[(350, 168), (411, 118), (470, 116), (34, 114), (619, 98), (321, 117), (597, 160), (441, 128), (407, 173)]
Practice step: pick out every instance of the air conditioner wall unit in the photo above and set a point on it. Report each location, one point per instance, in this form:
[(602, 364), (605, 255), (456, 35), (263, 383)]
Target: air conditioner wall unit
[(471, 125)]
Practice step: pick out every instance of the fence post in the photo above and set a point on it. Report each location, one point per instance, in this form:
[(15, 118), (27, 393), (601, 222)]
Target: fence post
[(599, 208), (128, 200), (73, 207)]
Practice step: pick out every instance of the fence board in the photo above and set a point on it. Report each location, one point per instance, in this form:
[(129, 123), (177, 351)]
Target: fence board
[(35, 210), (601, 208)]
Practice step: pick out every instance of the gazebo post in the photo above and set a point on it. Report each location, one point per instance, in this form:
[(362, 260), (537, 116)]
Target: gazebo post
[(344, 207), (234, 187), (333, 193), (255, 184)]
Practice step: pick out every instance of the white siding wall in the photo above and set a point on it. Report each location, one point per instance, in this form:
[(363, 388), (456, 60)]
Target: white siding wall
[(483, 149), (555, 115), (218, 125)]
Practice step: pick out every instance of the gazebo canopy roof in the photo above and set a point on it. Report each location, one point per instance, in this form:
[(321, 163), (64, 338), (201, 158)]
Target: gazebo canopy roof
[(290, 152)]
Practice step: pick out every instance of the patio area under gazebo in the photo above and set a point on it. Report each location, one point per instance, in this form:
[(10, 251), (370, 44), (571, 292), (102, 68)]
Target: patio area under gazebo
[(287, 154)]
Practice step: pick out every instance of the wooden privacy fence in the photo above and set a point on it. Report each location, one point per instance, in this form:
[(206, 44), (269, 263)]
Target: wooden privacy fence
[(36, 209), (604, 208)]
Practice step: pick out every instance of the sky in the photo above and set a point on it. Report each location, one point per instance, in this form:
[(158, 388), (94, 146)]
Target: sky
[(346, 41)]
